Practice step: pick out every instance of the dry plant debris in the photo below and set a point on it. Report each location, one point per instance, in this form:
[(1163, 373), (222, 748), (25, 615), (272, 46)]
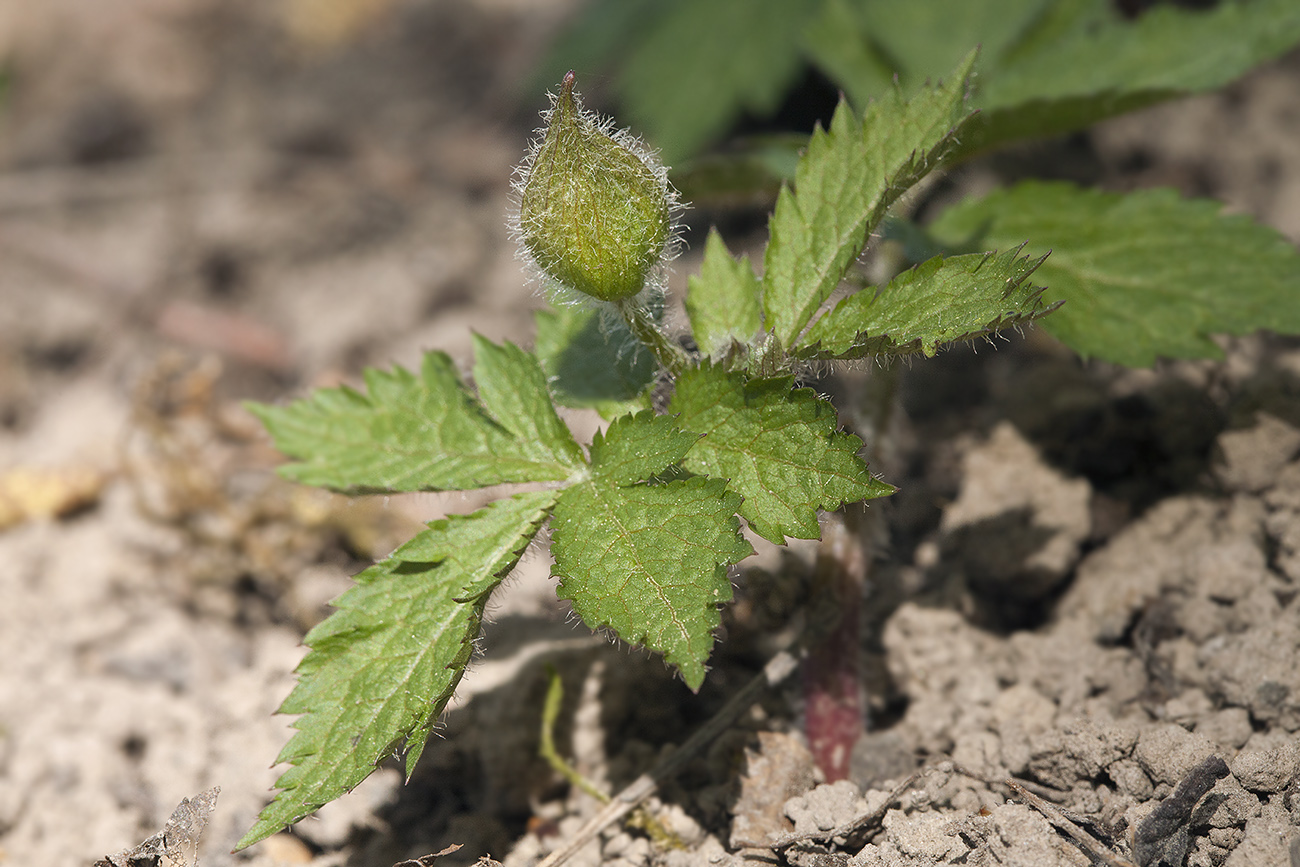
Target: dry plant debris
[(177, 844)]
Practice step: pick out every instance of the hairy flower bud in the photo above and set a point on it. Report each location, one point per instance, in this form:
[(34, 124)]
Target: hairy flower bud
[(595, 207)]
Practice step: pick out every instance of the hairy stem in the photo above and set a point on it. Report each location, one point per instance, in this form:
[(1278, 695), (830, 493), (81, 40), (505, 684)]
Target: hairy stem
[(671, 357), (831, 683), (833, 702)]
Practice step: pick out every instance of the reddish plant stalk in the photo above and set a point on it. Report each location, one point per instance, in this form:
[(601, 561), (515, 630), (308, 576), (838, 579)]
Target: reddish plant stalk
[(832, 686)]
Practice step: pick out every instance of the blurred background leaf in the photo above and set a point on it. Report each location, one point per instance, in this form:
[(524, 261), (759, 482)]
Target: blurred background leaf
[(685, 73)]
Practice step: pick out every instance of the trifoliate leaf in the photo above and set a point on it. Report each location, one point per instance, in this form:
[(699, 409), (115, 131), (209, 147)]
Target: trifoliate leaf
[(847, 179), (778, 447), (427, 433), (723, 301), (593, 361), (939, 301), (649, 561), (1143, 275), (382, 668)]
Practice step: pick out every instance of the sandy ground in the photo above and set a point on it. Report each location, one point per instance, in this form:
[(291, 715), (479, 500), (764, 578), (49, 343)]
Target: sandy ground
[(199, 206)]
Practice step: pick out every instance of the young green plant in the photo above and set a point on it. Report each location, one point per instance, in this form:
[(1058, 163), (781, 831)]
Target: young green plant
[(1146, 275), (645, 520)]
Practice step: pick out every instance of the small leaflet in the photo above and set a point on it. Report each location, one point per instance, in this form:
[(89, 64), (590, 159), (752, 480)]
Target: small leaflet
[(847, 179), (778, 447)]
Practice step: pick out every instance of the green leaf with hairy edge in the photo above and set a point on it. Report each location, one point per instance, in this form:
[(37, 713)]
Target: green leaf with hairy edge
[(426, 433), (939, 301), (681, 91), (593, 362), (513, 389), (722, 301), (639, 447), (778, 447), (648, 560), (846, 181), (384, 665), (1048, 67), (1143, 275)]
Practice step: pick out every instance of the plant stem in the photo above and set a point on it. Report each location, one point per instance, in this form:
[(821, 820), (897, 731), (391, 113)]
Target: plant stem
[(546, 745), (833, 717), (640, 817), (831, 683), (671, 357)]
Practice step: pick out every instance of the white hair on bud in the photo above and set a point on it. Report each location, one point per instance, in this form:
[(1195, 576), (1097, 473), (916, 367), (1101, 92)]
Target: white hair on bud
[(557, 292)]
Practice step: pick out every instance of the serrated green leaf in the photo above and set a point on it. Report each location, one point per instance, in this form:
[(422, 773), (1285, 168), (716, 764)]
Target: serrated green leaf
[(648, 560), (778, 447), (426, 433), (513, 389), (846, 181), (1143, 275), (723, 300), (638, 447), (937, 302), (382, 668), (1048, 67), (592, 362)]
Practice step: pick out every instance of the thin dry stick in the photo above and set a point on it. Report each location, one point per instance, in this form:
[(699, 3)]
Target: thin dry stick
[(1057, 818), (777, 669)]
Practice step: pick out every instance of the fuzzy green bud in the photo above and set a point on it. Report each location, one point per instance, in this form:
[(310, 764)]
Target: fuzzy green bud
[(595, 207)]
